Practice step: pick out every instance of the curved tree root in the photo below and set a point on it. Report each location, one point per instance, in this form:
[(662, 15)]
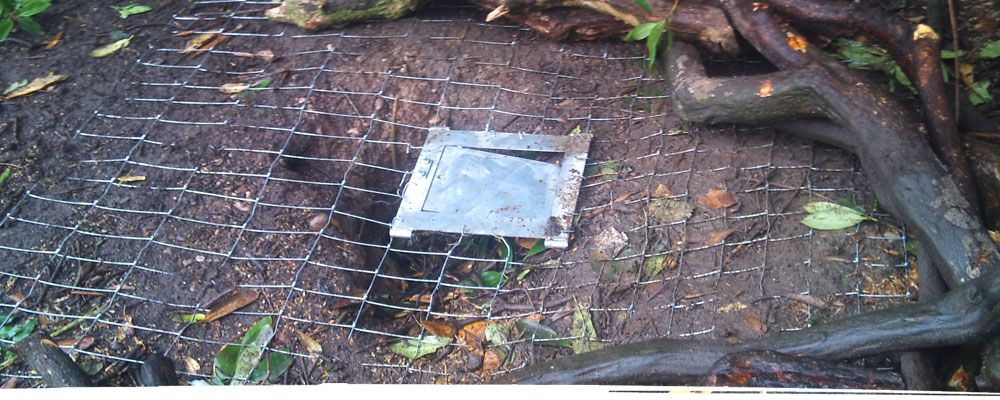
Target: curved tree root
[(907, 179)]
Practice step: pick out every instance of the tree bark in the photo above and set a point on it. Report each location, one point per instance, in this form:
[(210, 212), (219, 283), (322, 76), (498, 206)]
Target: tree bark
[(49, 361), (693, 20), (776, 370)]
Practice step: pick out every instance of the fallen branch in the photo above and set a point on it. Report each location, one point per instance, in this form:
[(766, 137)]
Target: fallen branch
[(776, 370)]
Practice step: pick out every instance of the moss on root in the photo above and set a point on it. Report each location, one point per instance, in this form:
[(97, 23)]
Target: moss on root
[(319, 14)]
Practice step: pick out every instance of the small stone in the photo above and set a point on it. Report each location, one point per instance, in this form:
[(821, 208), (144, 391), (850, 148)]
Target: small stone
[(199, 258)]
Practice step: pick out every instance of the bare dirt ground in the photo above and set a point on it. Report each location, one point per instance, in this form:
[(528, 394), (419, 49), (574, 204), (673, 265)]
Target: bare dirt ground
[(289, 191)]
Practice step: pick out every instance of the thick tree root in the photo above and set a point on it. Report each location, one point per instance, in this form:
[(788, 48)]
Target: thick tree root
[(907, 178), (776, 370), (693, 20)]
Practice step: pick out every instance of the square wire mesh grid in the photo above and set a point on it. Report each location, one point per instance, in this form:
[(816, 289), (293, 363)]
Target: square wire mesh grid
[(290, 190)]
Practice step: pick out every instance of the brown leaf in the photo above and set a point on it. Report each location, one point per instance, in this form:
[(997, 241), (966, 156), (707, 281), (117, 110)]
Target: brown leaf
[(85, 342), (716, 237), (766, 89), (197, 42), (759, 6), (345, 302), (438, 328), (491, 362), (753, 321), (806, 299), (959, 380), (716, 199), (472, 335), (266, 55), (54, 42), (308, 343), (526, 243), (996, 237), (17, 297), (228, 302), (36, 85), (797, 42)]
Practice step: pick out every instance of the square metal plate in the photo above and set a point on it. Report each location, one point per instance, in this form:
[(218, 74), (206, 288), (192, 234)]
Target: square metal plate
[(464, 183)]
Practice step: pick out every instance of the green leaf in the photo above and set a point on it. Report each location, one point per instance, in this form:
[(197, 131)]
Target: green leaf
[(131, 9), (6, 25), (414, 349), (523, 274), (831, 216), (492, 278), (253, 344), (30, 26), (256, 86), (236, 363), (537, 249), (645, 5), (653, 42), (28, 8), (274, 365), (950, 54), (497, 335), (17, 332), (979, 93), (7, 6), (14, 86), (991, 50), (540, 334), (585, 336), (192, 318), (110, 49), (640, 31), (653, 266)]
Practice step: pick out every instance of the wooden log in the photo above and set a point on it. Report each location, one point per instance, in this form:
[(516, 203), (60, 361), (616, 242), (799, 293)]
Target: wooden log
[(776, 370), (48, 360)]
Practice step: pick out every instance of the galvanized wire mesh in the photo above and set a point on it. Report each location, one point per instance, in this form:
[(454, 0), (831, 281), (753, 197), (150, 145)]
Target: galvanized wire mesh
[(290, 191)]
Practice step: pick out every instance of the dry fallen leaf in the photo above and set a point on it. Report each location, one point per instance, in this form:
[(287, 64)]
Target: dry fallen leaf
[(438, 328), (759, 6), (36, 85), (716, 237), (797, 42), (766, 89), (806, 299), (716, 199), (266, 55), (55, 41), (965, 73), (959, 380), (228, 302), (753, 321), (925, 32), (209, 45), (472, 335), (308, 343), (996, 237), (233, 88), (191, 365), (661, 191), (131, 178), (112, 48), (197, 42), (526, 243), (491, 362), (732, 307)]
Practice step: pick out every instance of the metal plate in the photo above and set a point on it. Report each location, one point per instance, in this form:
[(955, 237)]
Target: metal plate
[(463, 184)]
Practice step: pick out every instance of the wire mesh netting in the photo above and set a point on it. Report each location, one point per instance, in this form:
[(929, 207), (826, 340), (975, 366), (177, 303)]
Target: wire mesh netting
[(274, 160)]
